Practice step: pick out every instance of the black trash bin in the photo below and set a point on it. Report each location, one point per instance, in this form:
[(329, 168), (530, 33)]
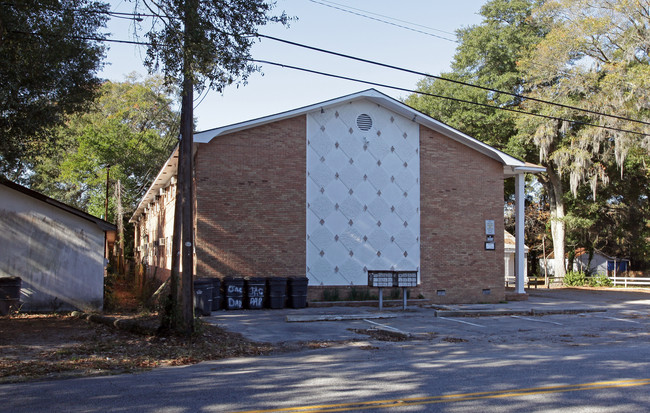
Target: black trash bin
[(234, 293), (9, 294), (277, 291), (216, 294), (298, 292), (203, 296), (255, 288)]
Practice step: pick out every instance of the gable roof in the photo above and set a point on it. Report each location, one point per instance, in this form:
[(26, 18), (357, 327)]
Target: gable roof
[(103, 225), (509, 243), (579, 252), (511, 165)]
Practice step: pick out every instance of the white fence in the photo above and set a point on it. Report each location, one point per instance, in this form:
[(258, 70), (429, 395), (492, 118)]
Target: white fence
[(625, 281), (616, 280)]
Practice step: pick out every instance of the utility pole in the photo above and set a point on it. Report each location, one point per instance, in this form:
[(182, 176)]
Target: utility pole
[(174, 312), (185, 175), (108, 173), (106, 252)]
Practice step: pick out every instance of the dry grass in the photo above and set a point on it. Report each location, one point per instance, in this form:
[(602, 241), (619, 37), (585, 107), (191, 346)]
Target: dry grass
[(56, 346), (45, 346)]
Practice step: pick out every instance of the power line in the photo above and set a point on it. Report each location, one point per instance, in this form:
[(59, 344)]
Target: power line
[(384, 16), (400, 88), (349, 10), (556, 118), (488, 89), (459, 82)]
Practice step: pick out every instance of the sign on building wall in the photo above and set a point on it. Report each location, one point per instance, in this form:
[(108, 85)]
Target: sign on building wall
[(363, 193), (489, 234)]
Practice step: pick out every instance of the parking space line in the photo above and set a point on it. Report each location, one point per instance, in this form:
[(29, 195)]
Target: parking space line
[(618, 319), (536, 320), (461, 321), (383, 326)]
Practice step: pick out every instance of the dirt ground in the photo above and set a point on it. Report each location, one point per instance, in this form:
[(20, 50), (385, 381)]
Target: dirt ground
[(56, 346), (44, 346), (48, 346)]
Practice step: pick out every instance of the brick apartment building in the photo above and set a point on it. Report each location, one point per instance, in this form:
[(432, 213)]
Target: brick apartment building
[(332, 190)]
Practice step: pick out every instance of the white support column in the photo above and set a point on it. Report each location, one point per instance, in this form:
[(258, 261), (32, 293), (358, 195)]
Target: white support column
[(520, 263)]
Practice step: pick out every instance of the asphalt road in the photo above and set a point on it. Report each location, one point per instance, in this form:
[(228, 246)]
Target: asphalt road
[(583, 362)]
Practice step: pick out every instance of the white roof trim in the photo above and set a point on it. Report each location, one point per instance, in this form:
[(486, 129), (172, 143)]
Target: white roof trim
[(162, 180), (511, 165), (390, 104)]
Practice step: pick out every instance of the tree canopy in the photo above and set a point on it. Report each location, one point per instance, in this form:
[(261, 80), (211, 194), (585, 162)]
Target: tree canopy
[(47, 71), (131, 128), (487, 56), (594, 56), (215, 39), (591, 54)]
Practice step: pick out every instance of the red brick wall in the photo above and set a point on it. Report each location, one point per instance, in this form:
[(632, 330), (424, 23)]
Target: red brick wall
[(250, 191), (251, 202), (460, 189)]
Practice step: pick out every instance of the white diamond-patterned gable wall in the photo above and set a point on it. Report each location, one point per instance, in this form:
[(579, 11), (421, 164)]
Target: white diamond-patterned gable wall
[(363, 193)]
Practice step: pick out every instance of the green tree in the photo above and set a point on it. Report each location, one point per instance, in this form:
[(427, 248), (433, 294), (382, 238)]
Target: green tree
[(131, 128), (595, 55), (487, 56), (47, 71), (616, 222)]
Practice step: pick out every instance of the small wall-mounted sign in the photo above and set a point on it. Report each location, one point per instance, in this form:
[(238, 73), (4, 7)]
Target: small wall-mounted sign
[(489, 227), (489, 245)]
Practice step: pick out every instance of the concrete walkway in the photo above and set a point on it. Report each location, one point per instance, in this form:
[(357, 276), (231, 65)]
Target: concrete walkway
[(343, 323)]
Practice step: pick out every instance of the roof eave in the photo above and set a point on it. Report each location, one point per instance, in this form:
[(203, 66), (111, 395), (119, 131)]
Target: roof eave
[(161, 180), (515, 165), (101, 223)]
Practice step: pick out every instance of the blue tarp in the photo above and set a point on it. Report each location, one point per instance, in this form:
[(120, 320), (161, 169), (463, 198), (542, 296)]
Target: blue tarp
[(621, 266)]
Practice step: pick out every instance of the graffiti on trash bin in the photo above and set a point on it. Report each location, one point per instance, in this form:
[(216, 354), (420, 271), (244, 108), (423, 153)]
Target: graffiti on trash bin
[(256, 302), (255, 291), (234, 303), (235, 289)]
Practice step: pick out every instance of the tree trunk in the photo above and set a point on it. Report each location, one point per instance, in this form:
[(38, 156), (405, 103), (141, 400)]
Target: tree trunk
[(556, 201), (187, 129)]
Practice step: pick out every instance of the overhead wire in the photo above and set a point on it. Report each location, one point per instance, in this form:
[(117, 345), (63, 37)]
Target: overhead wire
[(201, 98), (458, 82), (384, 16), (557, 118), (424, 74), (486, 105), (384, 21)]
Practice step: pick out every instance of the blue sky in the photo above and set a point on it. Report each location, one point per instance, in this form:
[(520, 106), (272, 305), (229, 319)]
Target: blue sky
[(279, 89)]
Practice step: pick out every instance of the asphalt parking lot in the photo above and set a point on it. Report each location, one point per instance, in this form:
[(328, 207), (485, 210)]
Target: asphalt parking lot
[(564, 316)]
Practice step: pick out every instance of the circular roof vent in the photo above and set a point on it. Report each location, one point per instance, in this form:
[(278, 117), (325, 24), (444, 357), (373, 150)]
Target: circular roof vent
[(364, 122)]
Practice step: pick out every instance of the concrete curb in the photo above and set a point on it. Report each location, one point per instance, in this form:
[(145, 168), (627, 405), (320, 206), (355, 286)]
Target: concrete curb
[(503, 312), (335, 317)]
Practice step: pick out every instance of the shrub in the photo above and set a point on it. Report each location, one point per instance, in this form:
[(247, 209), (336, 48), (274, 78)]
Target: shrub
[(600, 280), (331, 295), (575, 278), (361, 294), (110, 297)]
